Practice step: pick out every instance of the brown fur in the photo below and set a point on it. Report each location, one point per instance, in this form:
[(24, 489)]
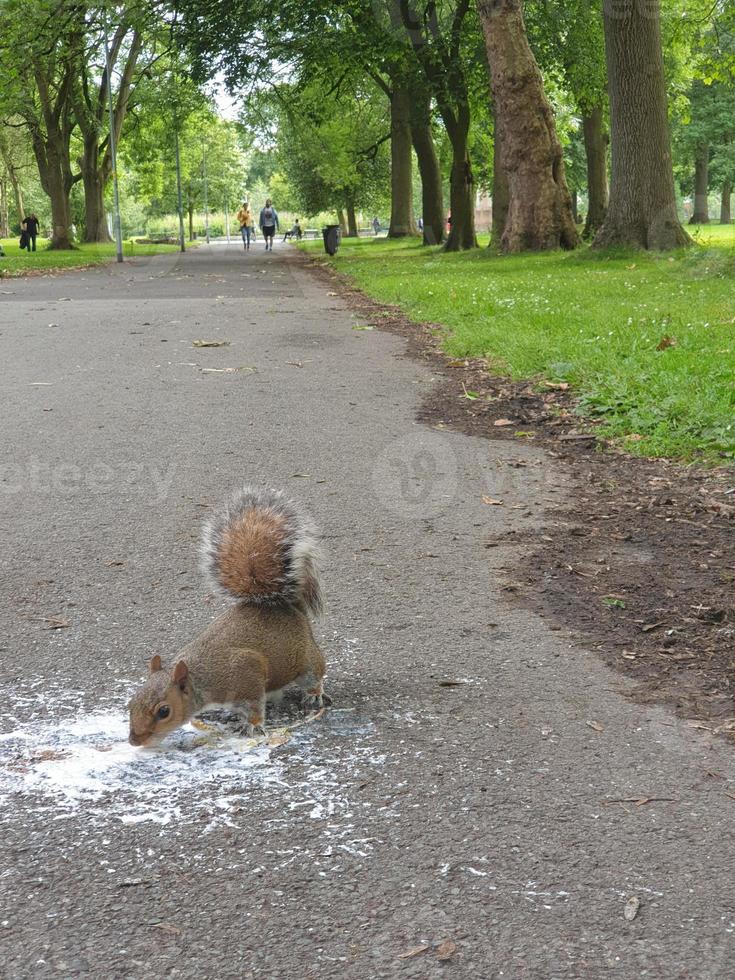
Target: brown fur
[(245, 653), (250, 557)]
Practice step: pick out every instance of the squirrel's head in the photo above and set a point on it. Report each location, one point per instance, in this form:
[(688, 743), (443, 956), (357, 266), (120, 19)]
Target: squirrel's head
[(161, 705)]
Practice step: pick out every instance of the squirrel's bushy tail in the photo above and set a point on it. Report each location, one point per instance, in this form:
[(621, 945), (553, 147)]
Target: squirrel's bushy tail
[(261, 550)]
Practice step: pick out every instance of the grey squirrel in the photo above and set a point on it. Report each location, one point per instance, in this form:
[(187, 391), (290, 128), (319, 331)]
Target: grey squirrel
[(261, 552)]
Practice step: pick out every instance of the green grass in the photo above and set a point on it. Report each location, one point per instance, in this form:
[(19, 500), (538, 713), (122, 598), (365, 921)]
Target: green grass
[(17, 263), (591, 319)]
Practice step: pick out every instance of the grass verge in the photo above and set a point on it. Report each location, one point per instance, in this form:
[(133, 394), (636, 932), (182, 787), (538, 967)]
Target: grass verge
[(19, 263), (647, 342)]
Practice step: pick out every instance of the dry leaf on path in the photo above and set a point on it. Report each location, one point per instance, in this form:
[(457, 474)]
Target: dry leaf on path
[(557, 385), (499, 422), (595, 726), (416, 951), (210, 343), (492, 501), (446, 950)]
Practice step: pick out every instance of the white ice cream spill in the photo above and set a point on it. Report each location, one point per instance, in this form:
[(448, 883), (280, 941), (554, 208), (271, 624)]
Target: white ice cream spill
[(63, 761)]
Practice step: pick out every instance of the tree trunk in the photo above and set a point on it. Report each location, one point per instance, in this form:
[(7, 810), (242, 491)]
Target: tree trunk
[(351, 221), (725, 218), (17, 193), (432, 203), (58, 193), (595, 148), (461, 190), (12, 172), (642, 210), (190, 214), (90, 99), (540, 208), (52, 156), (500, 188), (342, 221), (94, 180), (700, 216), (401, 164), (4, 216)]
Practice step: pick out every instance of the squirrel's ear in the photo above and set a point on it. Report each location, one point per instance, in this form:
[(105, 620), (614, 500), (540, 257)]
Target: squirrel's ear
[(181, 672), (155, 664)]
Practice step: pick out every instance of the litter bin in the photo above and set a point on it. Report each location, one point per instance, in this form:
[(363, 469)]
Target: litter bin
[(331, 235)]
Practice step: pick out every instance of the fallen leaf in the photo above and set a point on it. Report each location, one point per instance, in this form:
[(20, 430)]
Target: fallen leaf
[(451, 683), (665, 342), (112, 564), (457, 364), (557, 385), (595, 726), (210, 343), (493, 501), (446, 950), (362, 327), (651, 626), (499, 422), (416, 951), (631, 909)]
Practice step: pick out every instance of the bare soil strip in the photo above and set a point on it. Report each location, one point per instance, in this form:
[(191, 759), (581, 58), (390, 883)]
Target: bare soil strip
[(640, 559)]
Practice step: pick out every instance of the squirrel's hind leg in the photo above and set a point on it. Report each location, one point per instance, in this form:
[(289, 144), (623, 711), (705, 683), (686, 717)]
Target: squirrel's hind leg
[(313, 689)]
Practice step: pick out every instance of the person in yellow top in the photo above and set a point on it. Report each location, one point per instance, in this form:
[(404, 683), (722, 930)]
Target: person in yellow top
[(245, 217)]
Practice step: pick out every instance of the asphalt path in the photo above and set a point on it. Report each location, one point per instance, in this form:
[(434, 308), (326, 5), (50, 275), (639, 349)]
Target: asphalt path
[(481, 801)]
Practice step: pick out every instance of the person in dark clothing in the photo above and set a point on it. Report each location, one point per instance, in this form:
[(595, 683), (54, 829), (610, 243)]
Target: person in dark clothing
[(30, 226)]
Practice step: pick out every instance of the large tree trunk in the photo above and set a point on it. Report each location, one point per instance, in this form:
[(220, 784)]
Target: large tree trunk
[(401, 164), (725, 218), (342, 222), (58, 192), (351, 220), (91, 101), (642, 210), (595, 148), (94, 180), (432, 203), (700, 216), (461, 187), (540, 209), (54, 168), (501, 193)]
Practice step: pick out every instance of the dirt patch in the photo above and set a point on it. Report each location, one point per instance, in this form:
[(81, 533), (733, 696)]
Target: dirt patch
[(642, 565)]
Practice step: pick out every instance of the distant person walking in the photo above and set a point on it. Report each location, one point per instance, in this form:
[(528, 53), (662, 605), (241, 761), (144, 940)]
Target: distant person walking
[(376, 225), (30, 224), (245, 218), (268, 223)]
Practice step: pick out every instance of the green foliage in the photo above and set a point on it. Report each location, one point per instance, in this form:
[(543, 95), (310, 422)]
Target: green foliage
[(331, 146), (595, 321)]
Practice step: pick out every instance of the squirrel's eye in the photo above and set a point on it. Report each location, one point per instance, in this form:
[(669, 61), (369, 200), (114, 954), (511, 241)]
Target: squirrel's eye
[(163, 712)]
